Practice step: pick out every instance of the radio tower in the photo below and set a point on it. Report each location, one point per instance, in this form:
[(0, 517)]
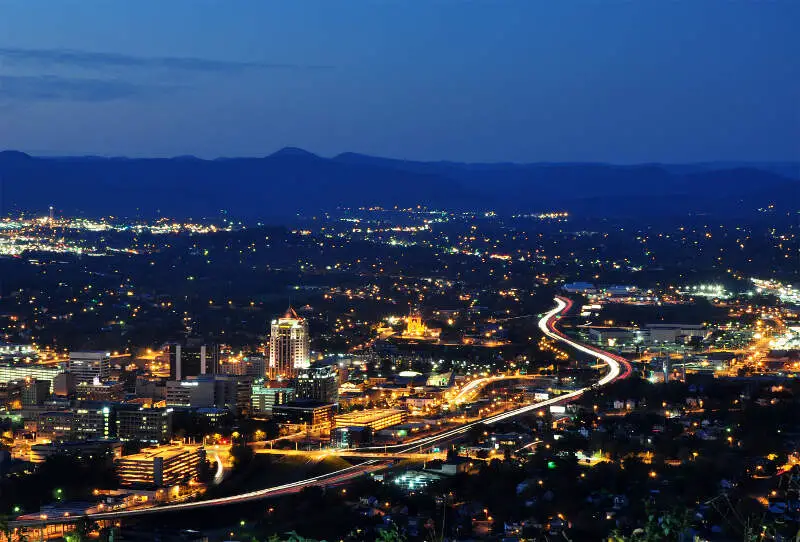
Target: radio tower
[(51, 215)]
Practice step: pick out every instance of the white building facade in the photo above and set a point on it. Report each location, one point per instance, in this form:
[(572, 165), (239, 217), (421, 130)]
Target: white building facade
[(289, 346)]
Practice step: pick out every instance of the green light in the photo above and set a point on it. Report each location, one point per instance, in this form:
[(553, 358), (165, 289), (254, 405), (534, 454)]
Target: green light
[(17, 509), (551, 464), (241, 523)]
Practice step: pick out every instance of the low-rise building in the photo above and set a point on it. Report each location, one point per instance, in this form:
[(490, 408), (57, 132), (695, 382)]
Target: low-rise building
[(17, 352), (220, 391), (55, 424), (580, 288), (98, 391), (21, 370), (84, 422), (350, 437), (310, 414), (450, 467), (318, 383), (420, 402), (265, 395), (11, 394), (81, 449), (93, 421), (253, 366), (36, 392), (144, 424), (613, 336), (376, 419), (160, 466), (671, 333)]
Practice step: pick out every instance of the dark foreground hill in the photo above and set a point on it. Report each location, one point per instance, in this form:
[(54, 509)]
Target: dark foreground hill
[(294, 181)]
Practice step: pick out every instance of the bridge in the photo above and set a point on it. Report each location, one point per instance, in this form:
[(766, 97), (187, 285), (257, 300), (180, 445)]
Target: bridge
[(618, 368)]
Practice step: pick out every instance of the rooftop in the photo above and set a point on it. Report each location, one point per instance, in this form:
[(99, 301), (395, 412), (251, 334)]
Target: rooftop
[(166, 452), (304, 404), (366, 416)]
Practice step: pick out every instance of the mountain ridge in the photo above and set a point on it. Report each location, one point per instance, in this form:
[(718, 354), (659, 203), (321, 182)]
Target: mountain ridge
[(294, 181)]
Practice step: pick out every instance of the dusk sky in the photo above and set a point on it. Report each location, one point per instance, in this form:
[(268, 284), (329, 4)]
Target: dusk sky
[(523, 80)]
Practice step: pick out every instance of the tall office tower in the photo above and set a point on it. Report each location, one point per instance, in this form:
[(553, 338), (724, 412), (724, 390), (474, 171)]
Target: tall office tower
[(318, 384), (191, 358), (88, 366), (289, 346)]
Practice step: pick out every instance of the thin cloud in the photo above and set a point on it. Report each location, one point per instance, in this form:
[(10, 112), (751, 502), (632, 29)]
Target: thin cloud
[(93, 60), (53, 88)]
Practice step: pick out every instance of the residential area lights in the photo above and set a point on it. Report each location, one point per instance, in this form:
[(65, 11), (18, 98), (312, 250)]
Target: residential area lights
[(397, 362)]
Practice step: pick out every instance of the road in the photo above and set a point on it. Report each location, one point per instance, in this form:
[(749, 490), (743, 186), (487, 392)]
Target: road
[(474, 387), (219, 473), (331, 479), (618, 368), (349, 452)]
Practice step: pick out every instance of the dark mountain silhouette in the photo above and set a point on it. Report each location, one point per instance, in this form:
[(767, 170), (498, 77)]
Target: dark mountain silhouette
[(293, 181), (293, 152)]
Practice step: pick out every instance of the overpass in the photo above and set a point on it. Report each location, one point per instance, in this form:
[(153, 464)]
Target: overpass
[(473, 388), (618, 368)]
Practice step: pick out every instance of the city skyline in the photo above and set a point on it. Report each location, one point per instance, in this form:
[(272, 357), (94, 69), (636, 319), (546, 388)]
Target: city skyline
[(392, 271)]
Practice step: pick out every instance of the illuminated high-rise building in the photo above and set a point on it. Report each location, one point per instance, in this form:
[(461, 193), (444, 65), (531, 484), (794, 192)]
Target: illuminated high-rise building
[(289, 346)]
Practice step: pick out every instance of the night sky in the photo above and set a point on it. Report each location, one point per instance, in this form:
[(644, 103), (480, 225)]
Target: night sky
[(523, 80)]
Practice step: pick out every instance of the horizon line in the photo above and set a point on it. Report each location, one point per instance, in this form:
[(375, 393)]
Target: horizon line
[(49, 155)]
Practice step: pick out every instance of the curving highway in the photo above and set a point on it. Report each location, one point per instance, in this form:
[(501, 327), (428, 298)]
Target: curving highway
[(618, 368)]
